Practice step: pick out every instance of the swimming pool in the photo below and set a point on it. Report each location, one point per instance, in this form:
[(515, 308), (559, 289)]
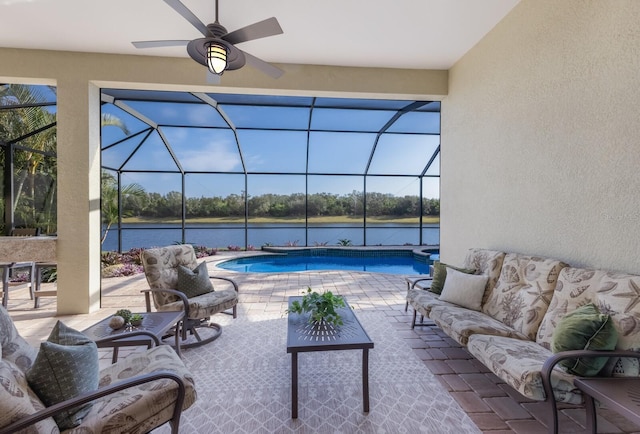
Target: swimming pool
[(390, 262)]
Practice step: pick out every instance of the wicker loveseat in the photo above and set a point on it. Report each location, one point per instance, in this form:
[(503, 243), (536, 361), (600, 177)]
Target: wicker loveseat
[(135, 395), (524, 301)]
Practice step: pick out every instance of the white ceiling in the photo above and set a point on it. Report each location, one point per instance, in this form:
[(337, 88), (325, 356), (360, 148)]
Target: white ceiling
[(415, 34)]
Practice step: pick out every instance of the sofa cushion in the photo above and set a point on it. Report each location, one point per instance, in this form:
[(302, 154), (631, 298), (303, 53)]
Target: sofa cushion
[(460, 323), (519, 363), (522, 295), (17, 400), (66, 366), (487, 262), (440, 275), (423, 301), (464, 289), (194, 282), (585, 329), (615, 294), (131, 410)]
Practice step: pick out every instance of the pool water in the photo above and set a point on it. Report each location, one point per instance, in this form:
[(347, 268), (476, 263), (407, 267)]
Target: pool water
[(292, 263)]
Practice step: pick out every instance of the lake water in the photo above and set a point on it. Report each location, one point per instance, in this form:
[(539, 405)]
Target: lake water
[(257, 235)]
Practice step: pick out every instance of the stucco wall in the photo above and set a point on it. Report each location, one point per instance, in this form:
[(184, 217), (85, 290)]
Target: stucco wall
[(541, 136)]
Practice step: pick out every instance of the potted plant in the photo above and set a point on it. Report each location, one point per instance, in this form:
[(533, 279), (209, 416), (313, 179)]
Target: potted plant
[(136, 319), (322, 307)]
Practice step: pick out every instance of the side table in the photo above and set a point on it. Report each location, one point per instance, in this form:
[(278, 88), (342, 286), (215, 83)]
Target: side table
[(156, 323), (620, 394)]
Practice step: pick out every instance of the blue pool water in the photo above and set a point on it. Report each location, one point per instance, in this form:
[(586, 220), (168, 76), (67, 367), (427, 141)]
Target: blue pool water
[(393, 264)]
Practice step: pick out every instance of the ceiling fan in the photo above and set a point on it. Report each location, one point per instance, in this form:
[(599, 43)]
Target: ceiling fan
[(217, 50)]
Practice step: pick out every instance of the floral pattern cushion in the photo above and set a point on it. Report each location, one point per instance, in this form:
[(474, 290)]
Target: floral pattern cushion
[(487, 262), (460, 323), (142, 408), (17, 400), (203, 306), (423, 301), (522, 295), (615, 294), (13, 346), (519, 362), (161, 269)]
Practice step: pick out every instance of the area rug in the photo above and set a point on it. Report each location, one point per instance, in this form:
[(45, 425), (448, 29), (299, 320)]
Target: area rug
[(243, 380)]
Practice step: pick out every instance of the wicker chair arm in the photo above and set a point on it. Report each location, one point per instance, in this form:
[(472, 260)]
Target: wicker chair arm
[(100, 393)]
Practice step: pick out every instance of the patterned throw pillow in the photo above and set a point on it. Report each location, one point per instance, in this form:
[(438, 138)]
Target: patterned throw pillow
[(585, 329), (66, 366), (194, 283)]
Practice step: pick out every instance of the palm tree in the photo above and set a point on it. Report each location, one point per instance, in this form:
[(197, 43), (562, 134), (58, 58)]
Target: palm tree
[(110, 209)]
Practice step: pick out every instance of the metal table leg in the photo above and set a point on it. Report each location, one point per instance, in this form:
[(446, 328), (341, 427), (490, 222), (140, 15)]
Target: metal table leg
[(294, 385), (365, 379)]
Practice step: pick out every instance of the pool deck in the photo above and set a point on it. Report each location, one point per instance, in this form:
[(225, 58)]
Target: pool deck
[(493, 406)]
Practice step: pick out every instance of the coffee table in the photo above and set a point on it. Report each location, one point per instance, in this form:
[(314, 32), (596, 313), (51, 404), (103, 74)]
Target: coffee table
[(156, 323), (303, 336)]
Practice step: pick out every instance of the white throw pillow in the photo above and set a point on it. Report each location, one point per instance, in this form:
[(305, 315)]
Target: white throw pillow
[(465, 290)]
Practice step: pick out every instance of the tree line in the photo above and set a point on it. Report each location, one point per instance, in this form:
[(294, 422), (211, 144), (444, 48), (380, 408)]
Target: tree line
[(155, 205)]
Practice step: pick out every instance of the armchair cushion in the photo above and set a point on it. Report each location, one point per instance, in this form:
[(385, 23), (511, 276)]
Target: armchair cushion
[(203, 306), (17, 400), (65, 367), (141, 408), (585, 329), (194, 282)]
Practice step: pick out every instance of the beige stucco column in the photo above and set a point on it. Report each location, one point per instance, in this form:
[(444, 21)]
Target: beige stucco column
[(78, 247)]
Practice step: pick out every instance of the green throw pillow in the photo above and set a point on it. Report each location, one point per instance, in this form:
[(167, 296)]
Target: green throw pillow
[(66, 366), (440, 275), (194, 283), (585, 329)]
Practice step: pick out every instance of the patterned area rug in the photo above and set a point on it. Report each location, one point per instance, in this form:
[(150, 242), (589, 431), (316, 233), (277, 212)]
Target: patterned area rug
[(243, 381)]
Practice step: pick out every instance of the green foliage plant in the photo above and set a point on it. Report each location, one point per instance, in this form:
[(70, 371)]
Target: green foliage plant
[(125, 314), (321, 306), (344, 242)]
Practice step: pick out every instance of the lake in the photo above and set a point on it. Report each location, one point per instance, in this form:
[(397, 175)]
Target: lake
[(277, 234)]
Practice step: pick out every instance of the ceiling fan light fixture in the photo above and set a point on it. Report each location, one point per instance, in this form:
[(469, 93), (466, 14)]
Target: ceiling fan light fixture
[(216, 57)]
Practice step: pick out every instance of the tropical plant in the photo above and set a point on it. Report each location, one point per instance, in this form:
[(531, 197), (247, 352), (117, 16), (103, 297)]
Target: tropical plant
[(110, 202), (322, 307), (31, 127), (344, 242)]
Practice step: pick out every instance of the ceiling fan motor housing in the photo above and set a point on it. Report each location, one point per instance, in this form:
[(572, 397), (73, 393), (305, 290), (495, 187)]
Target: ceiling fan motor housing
[(197, 48)]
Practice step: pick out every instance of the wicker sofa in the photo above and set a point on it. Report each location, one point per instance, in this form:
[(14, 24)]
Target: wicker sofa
[(524, 300), (134, 395)]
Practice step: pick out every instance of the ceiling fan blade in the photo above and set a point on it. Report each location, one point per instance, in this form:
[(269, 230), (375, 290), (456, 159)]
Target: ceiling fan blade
[(263, 66), (158, 44), (188, 15), (261, 29)]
